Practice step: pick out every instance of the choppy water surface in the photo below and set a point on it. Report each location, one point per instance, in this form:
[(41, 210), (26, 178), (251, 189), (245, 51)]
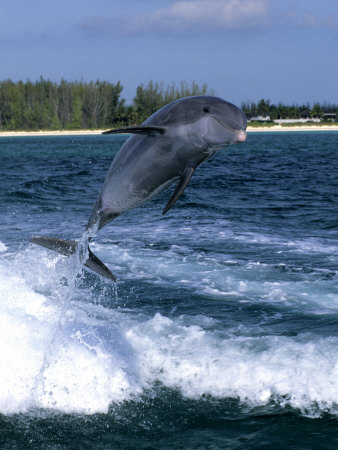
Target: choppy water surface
[(222, 331)]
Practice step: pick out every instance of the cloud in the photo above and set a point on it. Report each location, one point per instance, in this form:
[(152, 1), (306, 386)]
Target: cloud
[(307, 15), (209, 15), (313, 21), (186, 17)]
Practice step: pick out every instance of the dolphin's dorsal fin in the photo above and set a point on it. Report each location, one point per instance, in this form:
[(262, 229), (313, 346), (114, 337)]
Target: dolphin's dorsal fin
[(184, 181), (150, 130)]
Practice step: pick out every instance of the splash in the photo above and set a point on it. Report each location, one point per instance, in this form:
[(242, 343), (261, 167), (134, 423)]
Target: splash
[(61, 351)]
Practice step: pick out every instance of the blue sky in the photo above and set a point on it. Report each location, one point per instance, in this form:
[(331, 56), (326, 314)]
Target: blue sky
[(283, 50)]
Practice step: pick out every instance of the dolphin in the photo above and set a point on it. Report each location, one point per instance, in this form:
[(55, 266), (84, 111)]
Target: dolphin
[(166, 148)]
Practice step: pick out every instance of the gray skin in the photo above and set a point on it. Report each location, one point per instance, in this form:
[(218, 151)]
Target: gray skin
[(167, 147)]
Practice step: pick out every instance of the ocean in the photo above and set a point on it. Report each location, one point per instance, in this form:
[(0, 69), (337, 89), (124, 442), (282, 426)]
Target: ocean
[(222, 330)]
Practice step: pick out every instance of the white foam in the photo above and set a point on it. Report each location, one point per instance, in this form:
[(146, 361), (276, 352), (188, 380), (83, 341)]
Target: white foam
[(302, 371), (74, 356), (3, 247), (54, 355), (215, 275), (307, 245)]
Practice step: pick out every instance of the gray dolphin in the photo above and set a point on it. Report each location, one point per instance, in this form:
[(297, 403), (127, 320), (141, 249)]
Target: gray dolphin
[(167, 147)]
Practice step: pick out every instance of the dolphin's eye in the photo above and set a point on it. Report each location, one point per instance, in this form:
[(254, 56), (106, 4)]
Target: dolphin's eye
[(206, 109)]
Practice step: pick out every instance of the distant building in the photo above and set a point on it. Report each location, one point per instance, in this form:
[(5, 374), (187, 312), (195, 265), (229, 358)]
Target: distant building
[(304, 117), (305, 114), (298, 120), (259, 118), (330, 116)]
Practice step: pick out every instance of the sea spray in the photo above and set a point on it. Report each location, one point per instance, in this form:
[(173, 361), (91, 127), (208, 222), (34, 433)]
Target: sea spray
[(65, 293)]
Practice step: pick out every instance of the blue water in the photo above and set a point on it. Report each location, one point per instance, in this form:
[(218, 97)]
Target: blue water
[(222, 331)]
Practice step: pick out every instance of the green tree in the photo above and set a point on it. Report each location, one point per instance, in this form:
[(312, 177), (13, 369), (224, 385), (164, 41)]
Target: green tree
[(76, 117), (148, 99), (316, 111), (154, 96), (263, 107), (5, 111)]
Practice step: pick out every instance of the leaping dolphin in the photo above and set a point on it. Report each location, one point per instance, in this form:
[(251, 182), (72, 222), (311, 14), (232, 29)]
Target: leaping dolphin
[(167, 147)]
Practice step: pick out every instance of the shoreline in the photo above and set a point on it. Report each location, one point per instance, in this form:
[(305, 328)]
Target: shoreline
[(280, 128), (276, 128), (50, 133)]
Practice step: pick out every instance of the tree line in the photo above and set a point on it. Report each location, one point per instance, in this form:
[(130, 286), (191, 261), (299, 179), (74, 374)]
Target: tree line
[(281, 111), (45, 104), (80, 105)]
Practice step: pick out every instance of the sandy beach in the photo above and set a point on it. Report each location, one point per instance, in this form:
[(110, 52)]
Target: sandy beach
[(276, 128), (293, 128), (50, 133)]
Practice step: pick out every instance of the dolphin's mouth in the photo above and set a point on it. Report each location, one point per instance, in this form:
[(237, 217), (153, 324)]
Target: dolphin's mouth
[(240, 133), (241, 136)]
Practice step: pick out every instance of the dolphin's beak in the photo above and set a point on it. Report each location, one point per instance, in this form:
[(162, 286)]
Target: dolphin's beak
[(241, 136)]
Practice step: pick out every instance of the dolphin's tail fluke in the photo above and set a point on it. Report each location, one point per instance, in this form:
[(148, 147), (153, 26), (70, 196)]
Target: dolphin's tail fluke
[(68, 248)]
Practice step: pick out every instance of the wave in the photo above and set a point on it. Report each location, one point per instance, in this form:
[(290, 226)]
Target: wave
[(63, 350)]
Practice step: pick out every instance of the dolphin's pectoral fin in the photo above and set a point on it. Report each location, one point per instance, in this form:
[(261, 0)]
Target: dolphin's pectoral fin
[(67, 248), (150, 130), (184, 181)]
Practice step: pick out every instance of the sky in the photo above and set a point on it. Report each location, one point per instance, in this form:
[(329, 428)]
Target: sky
[(245, 50)]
